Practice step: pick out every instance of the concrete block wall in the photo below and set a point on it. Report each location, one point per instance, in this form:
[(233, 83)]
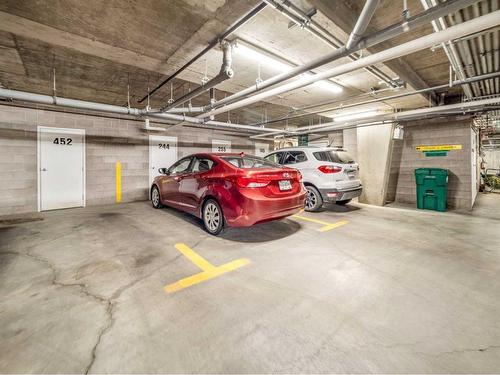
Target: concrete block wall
[(108, 140), (458, 162), (492, 158)]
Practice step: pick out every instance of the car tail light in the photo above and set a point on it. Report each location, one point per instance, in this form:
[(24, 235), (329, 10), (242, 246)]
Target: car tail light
[(299, 176), (329, 169), (251, 182)]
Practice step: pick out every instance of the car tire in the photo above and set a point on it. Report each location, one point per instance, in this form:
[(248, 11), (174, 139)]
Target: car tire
[(314, 201), (212, 216), (155, 197), (344, 202)]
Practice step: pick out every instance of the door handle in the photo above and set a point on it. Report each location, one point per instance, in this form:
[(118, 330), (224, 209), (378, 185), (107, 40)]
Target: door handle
[(43, 170), (177, 178)]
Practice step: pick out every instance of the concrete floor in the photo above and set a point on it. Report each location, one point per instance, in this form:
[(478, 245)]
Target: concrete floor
[(393, 290)]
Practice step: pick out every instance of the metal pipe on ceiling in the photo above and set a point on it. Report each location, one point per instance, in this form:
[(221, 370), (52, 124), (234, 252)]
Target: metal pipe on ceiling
[(397, 116), (397, 96), (336, 43), (475, 25), (297, 16), (385, 34), (404, 115), (362, 23), (101, 107), (188, 109), (449, 47), (235, 26), (226, 72)]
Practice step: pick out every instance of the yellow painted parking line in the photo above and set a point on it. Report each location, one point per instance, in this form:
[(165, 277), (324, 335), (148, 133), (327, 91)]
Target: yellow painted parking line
[(326, 226), (197, 259), (311, 220), (209, 271), (333, 226)]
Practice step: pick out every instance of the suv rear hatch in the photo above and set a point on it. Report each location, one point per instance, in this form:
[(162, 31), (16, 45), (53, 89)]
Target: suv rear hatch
[(341, 166)]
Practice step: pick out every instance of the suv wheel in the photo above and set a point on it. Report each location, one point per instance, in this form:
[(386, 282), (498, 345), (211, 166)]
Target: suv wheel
[(155, 198), (213, 219), (344, 202), (314, 201)]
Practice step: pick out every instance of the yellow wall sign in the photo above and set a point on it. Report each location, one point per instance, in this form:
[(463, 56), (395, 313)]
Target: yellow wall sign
[(438, 148)]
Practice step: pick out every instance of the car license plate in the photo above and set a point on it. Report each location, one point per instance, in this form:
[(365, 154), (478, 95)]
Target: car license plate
[(285, 185)]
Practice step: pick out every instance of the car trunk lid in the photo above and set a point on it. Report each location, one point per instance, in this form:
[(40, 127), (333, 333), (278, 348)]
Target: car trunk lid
[(273, 182)]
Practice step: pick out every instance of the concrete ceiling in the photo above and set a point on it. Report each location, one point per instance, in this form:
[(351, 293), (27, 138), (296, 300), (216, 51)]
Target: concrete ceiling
[(98, 48)]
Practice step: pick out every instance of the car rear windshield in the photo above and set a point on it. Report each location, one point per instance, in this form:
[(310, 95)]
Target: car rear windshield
[(341, 157), (249, 162)]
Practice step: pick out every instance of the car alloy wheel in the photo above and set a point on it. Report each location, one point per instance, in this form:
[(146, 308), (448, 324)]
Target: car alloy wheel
[(155, 197), (313, 199), (212, 217)]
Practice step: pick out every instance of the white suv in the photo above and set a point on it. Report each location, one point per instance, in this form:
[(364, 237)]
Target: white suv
[(329, 174)]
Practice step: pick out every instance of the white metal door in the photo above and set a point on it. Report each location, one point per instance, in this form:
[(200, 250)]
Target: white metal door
[(61, 168), (261, 149), (162, 154)]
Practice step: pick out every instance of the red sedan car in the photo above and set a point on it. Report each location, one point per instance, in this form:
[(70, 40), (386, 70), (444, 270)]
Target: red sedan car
[(234, 189)]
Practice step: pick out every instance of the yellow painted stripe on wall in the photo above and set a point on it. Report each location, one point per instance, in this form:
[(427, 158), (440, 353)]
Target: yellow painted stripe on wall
[(118, 174), (438, 148)]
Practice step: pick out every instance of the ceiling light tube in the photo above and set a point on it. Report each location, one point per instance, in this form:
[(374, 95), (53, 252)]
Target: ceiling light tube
[(275, 63), (355, 116)]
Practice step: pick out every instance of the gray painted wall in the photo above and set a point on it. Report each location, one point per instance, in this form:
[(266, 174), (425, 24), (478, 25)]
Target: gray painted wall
[(458, 162), (108, 140)]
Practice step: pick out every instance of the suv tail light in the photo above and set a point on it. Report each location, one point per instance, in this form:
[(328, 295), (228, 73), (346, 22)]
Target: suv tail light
[(329, 169), (250, 182)]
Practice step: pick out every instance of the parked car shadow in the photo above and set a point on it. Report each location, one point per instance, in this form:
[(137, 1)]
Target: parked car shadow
[(337, 208), (270, 231)]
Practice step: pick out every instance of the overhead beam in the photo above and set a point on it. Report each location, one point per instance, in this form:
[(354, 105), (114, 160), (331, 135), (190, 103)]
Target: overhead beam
[(33, 30)]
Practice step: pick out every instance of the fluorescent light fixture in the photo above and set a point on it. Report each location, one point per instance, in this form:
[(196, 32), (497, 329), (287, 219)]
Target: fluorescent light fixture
[(280, 66), (261, 58), (355, 116)]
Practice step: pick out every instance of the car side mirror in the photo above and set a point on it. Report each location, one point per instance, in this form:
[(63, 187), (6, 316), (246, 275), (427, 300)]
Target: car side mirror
[(164, 171)]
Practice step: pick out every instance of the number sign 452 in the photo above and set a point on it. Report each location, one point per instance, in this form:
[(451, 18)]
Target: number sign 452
[(62, 141)]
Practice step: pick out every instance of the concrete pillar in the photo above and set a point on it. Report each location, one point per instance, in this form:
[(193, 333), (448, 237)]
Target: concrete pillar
[(373, 156), (350, 142)]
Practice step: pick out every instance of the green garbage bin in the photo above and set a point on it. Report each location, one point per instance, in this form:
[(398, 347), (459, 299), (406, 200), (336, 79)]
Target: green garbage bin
[(432, 187)]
